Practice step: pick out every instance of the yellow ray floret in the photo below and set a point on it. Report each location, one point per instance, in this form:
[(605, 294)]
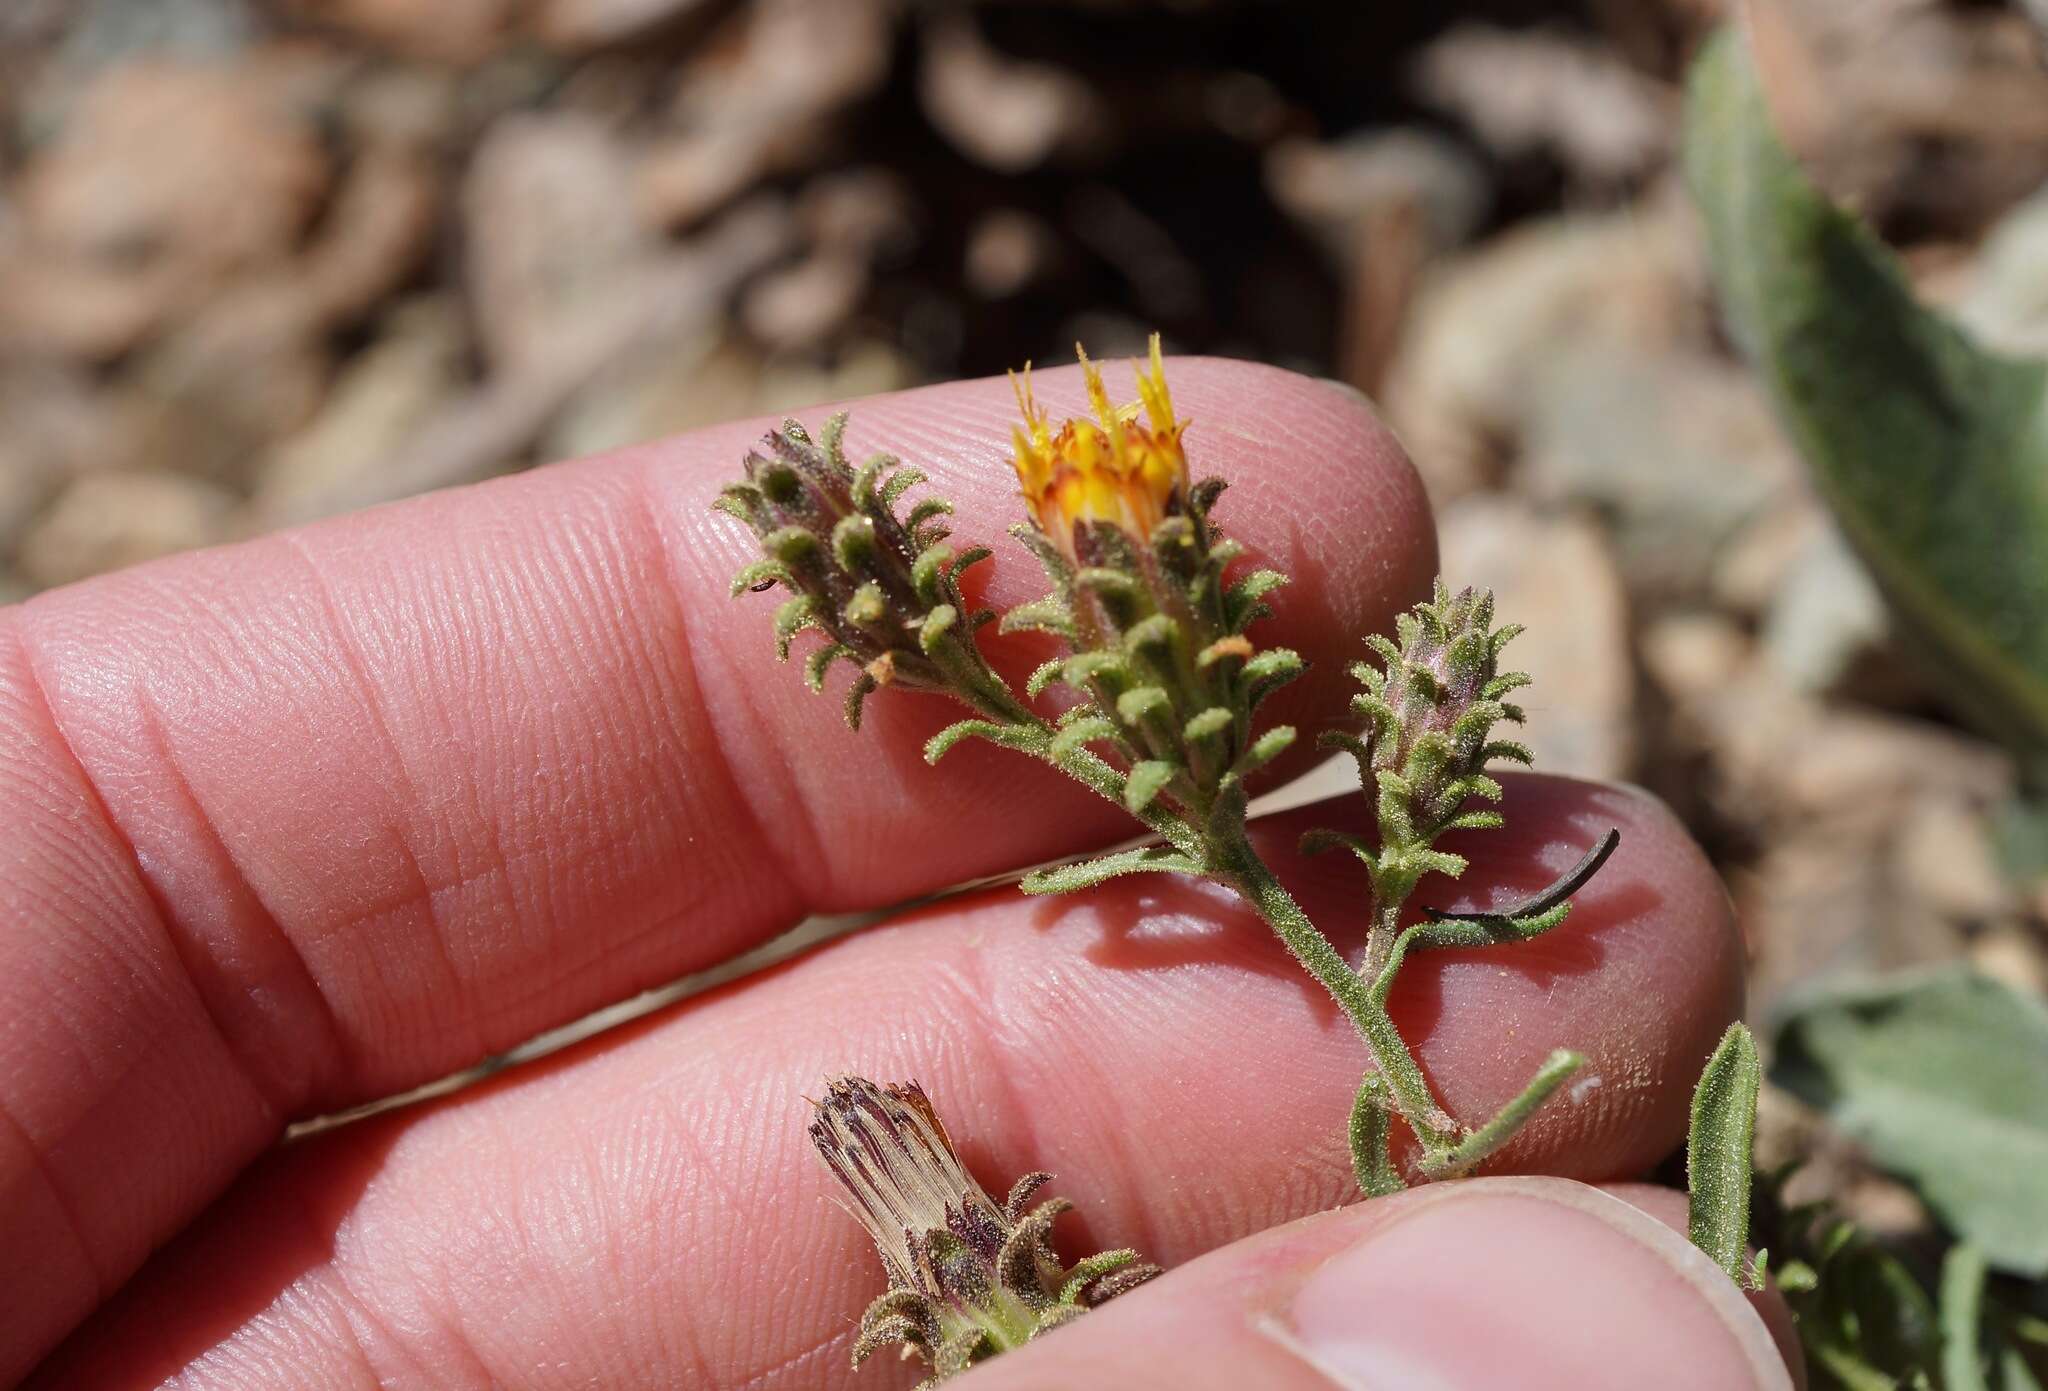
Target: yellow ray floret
[(1117, 468)]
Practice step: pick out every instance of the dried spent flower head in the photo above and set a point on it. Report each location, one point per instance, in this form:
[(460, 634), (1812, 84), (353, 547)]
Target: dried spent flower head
[(968, 1278), (1116, 470)]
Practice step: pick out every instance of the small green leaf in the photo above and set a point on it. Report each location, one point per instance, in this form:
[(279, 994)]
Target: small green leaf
[(932, 631), (792, 617), (1086, 730), (1207, 725), (928, 572), (1476, 1147), (821, 660), (1009, 736), (1371, 1137), (792, 545), (1092, 1268), (1275, 664), (1718, 1151), (900, 482), (1135, 704), (1322, 839), (760, 572), (1146, 780), (931, 507), (1113, 584), (853, 542), (1043, 675), (867, 607), (1156, 631), (863, 488), (1242, 601), (1267, 747), (1149, 859), (1047, 615), (1939, 1076), (1084, 667), (864, 685)]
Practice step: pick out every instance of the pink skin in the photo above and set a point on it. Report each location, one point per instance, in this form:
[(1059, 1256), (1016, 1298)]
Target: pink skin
[(309, 820), (1534, 1283)]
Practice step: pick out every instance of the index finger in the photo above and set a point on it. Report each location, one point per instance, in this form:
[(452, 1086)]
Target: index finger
[(317, 818)]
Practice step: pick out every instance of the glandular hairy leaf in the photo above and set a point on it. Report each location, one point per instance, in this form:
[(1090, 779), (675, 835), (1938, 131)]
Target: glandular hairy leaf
[(1718, 1151)]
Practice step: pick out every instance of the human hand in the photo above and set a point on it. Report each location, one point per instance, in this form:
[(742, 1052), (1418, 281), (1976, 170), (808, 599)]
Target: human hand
[(304, 822)]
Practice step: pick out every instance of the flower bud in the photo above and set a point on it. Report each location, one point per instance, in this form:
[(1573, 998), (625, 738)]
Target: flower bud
[(883, 590)]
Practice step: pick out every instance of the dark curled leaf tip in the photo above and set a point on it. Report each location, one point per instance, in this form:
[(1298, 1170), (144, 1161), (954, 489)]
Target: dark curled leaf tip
[(1575, 878)]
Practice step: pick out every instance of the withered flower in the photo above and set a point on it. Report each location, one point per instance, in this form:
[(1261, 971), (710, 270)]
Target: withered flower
[(968, 1279)]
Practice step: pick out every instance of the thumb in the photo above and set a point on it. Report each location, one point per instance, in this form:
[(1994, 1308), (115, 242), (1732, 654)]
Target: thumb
[(1524, 1282)]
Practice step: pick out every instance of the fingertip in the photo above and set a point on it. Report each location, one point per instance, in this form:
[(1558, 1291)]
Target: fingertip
[(1533, 1283), (1669, 1206)]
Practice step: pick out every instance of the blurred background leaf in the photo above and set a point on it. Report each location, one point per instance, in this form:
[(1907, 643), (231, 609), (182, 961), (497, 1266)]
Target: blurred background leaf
[(1931, 451), (1943, 1077)]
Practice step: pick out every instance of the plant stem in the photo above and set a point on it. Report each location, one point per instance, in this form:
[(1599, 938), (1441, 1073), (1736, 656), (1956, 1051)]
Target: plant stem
[(1240, 866)]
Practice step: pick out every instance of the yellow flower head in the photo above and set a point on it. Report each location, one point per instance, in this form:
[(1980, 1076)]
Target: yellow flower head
[(1116, 468)]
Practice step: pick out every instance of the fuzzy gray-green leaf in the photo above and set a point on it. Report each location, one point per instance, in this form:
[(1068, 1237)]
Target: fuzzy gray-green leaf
[(1931, 451)]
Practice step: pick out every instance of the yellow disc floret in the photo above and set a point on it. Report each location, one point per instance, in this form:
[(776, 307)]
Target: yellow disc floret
[(1117, 468)]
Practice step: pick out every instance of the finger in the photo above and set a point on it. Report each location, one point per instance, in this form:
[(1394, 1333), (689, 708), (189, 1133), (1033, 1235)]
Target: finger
[(317, 818), (1530, 1283), (645, 1211)]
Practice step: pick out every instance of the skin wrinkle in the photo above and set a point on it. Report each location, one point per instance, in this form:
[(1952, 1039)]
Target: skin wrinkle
[(499, 865), (789, 866), (1125, 1164), (98, 818), (39, 1164), (353, 666), (818, 1348), (686, 1329), (427, 1289), (279, 1097), (358, 1312)]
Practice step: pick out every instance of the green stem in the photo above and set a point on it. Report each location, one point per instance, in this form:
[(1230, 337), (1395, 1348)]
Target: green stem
[(1467, 1153), (1241, 867)]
